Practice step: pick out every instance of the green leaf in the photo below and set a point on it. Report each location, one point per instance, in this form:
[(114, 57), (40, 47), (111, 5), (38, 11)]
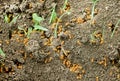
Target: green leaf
[(7, 19), (38, 27), (20, 28), (36, 18), (2, 53), (53, 16)]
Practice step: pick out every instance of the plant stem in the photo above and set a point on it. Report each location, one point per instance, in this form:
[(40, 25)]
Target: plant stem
[(93, 8), (56, 27), (65, 3), (52, 14), (115, 28)]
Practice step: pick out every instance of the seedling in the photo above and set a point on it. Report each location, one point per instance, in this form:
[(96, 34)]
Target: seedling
[(116, 26), (66, 12), (92, 38), (65, 4), (37, 20), (29, 31), (13, 21), (56, 27), (66, 7), (96, 37), (21, 28), (26, 33), (53, 15), (2, 53), (93, 8), (7, 19)]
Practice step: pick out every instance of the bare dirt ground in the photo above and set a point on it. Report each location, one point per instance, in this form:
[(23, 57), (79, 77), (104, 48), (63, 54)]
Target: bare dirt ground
[(73, 55)]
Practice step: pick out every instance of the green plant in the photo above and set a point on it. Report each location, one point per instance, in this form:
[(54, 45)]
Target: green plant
[(92, 37), (21, 28), (2, 53), (29, 31), (37, 20), (65, 12), (26, 33), (53, 15), (56, 26), (65, 4), (115, 28), (7, 19), (93, 8), (97, 37), (13, 21)]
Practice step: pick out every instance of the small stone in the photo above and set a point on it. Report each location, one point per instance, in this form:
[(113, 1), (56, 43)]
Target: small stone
[(21, 60), (56, 42), (32, 45), (63, 36), (84, 40)]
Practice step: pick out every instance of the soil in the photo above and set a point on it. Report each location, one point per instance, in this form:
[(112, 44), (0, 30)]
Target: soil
[(74, 55)]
